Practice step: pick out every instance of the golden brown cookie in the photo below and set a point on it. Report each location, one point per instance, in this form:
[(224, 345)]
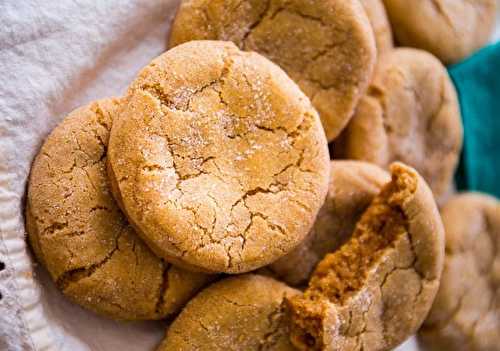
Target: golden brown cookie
[(81, 237), (326, 46), (375, 291), (409, 114), (239, 313), (377, 16), (450, 29), (221, 163), (353, 185), (465, 315)]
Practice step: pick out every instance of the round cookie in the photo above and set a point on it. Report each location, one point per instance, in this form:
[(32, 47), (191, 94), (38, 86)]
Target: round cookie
[(466, 312), (326, 46), (450, 29), (375, 291), (78, 233), (353, 185), (239, 313), (377, 16), (222, 164), (409, 114)]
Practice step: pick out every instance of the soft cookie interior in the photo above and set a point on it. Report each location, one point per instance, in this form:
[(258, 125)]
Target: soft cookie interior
[(344, 273)]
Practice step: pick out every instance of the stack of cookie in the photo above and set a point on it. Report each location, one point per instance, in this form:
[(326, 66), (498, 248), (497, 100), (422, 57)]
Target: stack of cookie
[(207, 194)]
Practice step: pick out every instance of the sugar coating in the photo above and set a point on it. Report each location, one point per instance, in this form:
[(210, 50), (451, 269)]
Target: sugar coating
[(221, 163), (411, 114), (82, 238), (353, 185), (375, 291), (451, 30), (326, 46), (466, 312), (238, 313)]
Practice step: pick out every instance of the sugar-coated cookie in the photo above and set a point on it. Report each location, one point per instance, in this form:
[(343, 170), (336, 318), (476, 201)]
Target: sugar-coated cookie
[(465, 315), (82, 238), (409, 114), (238, 313), (450, 29), (326, 46), (375, 291), (219, 159)]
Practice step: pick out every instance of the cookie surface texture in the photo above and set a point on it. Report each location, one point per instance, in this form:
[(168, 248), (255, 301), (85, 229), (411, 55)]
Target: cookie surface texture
[(82, 238), (379, 21), (466, 312), (450, 29), (375, 291), (221, 163), (409, 114), (237, 313), (326, 46), (353, 185)]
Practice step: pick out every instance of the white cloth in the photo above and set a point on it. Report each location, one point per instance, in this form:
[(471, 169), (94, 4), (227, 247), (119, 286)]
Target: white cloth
[(54, 57)]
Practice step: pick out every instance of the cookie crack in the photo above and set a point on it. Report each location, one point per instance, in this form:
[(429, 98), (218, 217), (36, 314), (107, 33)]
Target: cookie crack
[(54, 228), (272, 226), (235, 303), (157, 92), (275, 321), (489, 231), (73, 276), (163, 288), (357, 336), (91, 160), (327, 49), (252, 26), (272, 16), (414, 263), (101, 118), (438, 6)]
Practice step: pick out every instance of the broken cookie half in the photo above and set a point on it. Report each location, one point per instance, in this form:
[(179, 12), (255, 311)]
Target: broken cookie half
[(375, 291)]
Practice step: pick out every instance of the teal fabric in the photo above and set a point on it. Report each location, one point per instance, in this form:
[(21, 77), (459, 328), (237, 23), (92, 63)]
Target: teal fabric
[(477, 80)]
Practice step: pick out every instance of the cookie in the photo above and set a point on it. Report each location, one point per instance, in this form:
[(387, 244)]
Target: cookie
[(409, 114), (466, 312), (238, 313), (375, 291), (222, 163), (353, 185), (377, 16), (450, 29), (81, 237), (326, 46)]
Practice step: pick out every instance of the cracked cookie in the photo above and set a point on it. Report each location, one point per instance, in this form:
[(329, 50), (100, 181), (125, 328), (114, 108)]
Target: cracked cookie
[(238, 313), (353, 185), (78, 233), (375, 291), (377, 16), (410, 113), (450, 29), (465, 315), (222, 163), (326, 46)]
